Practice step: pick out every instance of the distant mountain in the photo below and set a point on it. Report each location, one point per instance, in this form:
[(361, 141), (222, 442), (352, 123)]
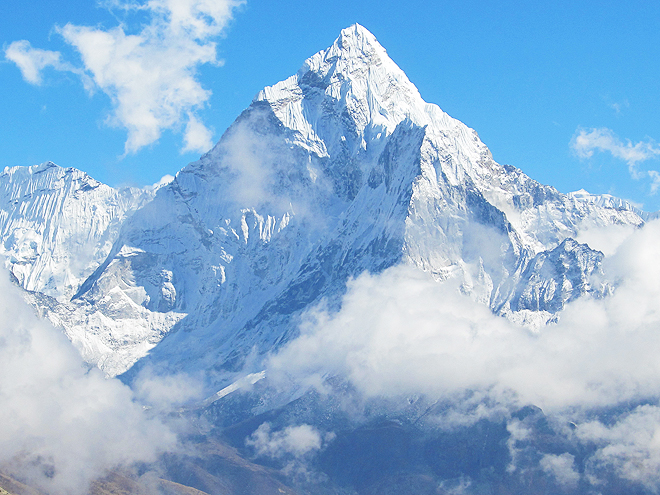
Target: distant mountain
[(57, 225)]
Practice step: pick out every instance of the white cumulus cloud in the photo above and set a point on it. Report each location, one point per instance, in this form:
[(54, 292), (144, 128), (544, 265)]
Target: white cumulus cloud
[(32, 61), (150, 75)]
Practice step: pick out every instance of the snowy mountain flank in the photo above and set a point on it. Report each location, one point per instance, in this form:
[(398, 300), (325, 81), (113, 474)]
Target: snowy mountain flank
[(340, 169), (57, 226)]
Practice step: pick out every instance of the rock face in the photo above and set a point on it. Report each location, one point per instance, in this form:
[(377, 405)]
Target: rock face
[(339, 169), (556, 277)]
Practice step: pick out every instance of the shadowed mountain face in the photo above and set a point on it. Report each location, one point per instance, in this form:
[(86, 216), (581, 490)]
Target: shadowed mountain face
[(339, 171)]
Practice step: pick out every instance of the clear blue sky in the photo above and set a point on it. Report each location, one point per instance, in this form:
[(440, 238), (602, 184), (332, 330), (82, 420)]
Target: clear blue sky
[(528, 76)]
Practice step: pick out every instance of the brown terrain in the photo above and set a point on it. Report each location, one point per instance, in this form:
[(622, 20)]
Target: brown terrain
[(213, 469)]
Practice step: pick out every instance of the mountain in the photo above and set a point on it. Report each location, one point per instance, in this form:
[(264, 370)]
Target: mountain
[(58, 224), (339, 169)]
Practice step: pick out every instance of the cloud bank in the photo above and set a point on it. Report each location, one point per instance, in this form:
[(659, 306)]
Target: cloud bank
[(62, 425), (150, 75), (400, 333)]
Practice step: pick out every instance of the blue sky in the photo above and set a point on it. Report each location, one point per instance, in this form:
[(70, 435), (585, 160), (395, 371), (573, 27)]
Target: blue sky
[(566, 91)]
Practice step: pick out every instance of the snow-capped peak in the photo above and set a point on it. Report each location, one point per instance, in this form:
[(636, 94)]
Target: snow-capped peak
[(609, 201), (352, 95), (357, 77)]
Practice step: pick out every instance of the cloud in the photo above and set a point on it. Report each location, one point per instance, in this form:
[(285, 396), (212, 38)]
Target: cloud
[(295, 441), (605, 239), (630, 447), (655, 180), (587, 141), (619, 106), (168, 392), (252, 157), (32, 61), (293, 446), (150, 75), (197, 136), (267, 173), (62, 424), (562, 468), (401, 333), (164, 180)]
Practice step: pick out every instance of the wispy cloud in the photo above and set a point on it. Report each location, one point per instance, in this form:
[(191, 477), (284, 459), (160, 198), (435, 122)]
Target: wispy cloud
[(655, 180), (293, 440), (587, 141), (618, 106), (293, 446), (32, 61), (629, 447), (151, 75)]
